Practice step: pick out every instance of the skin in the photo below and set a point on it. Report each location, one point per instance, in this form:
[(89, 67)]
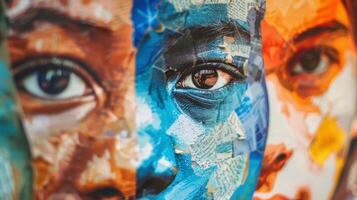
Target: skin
[(136, 125), (311, 95), (62, 165)]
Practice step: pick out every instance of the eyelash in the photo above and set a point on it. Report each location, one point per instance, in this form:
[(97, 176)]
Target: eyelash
[(236, 72), (28, 66), (330, 52)]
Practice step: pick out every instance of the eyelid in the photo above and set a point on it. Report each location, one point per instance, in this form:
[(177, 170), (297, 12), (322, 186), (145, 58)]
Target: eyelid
[(236, 72), (330, 52), (77, 66), (24, 67)]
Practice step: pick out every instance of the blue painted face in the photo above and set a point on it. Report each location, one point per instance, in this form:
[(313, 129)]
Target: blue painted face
[(166, 103), (202, 111)]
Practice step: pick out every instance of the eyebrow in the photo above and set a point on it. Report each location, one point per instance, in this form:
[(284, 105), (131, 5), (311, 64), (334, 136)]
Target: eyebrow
[(329, 27), (26, 21), (182, 49)]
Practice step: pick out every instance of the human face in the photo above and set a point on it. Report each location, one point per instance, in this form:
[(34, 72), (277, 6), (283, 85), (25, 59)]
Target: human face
[(75, 76), (311, 81), (187, 120)]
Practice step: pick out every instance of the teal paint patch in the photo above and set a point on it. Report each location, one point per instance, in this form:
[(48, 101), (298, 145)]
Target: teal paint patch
[(7, 180), (15, 158), (13, 142)]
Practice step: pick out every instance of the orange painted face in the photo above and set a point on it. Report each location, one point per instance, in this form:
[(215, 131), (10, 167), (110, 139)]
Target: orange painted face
[(311, 77), (49, 41)]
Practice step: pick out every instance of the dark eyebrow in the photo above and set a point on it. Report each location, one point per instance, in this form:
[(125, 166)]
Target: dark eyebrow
[(182, 48), (26, 21), (329, 27)]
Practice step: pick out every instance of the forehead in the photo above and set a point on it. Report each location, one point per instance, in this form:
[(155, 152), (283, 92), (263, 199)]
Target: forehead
[(189, 13), (286, 16), (101, 13)]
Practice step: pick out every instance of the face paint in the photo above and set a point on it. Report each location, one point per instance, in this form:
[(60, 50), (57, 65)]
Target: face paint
[(311, 81), (141, 99), (15, 161), (199, 73), (75, 76)]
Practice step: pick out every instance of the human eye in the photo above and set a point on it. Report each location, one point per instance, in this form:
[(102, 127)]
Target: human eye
[(54, 80), (313, 61), (309, 70), (210, 76)]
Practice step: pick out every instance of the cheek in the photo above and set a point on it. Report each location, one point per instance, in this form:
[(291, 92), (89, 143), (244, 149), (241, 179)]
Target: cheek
[(41, 129), (185, 131), (317, 137), (315, 140), (339, 101), (337, 108), (145, 115), (42, 126), (280, 131)]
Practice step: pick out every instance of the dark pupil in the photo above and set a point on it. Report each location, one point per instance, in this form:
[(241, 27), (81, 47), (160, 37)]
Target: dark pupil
[(205, 79), (310, 60), (53, 81)]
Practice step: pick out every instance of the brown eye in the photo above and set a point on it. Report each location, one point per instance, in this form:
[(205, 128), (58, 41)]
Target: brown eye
[(53, 79), (211, 76), (205, 79), (309, 71), (312, 61)]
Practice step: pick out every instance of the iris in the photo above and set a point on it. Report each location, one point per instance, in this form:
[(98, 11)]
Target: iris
[(53, 80), (205, 79)]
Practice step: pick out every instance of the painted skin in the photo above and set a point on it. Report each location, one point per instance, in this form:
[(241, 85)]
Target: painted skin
[(105, 123), (311, 78), (71, 122)]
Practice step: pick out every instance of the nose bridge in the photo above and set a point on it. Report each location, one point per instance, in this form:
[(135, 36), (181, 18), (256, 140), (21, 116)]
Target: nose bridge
[(111, 166), (124, 162), (130, 161), (138, 158), (111, 153), (116, 167), (156, 167)]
